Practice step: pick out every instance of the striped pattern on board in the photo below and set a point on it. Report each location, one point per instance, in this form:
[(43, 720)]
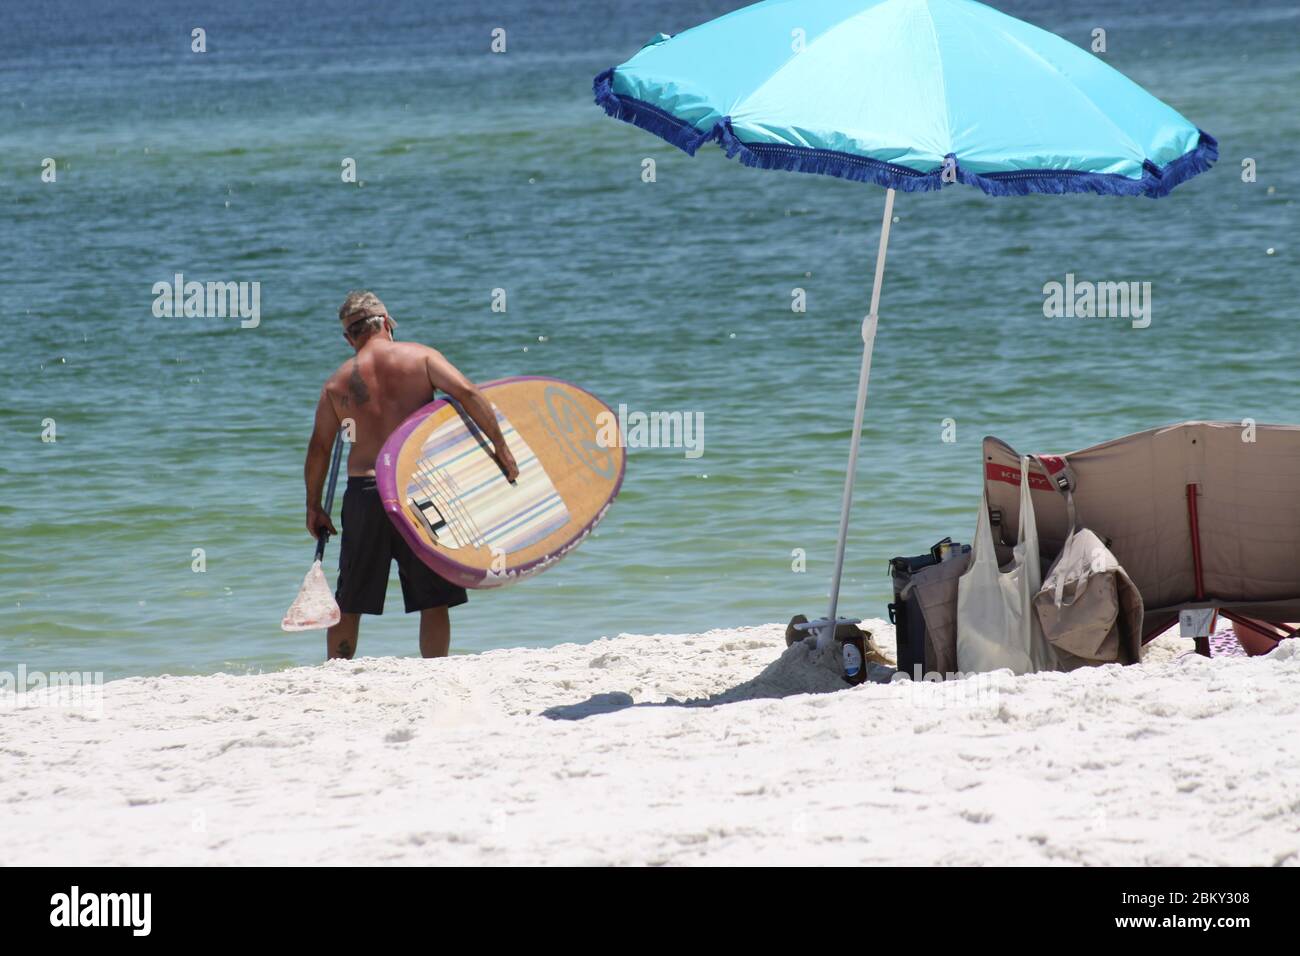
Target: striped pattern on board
[(458, 493)]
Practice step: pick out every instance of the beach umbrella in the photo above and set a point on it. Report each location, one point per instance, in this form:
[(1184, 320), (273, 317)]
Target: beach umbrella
[(912, 95)]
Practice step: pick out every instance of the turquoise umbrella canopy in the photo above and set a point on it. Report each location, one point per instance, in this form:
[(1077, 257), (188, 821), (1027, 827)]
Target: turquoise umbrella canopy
[(908, 94), (912, 95)]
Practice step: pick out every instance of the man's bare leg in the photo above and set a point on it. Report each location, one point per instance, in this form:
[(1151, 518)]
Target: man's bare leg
[(435, 632), (341, 639)]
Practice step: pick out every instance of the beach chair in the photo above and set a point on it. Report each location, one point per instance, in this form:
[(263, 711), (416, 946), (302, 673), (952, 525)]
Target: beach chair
[(1199, 514)]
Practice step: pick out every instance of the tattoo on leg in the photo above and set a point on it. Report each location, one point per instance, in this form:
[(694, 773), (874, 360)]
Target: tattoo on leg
[(345, 649), (357, 385)]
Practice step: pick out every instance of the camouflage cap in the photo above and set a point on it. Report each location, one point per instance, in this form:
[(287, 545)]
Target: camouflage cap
[(360, 304)]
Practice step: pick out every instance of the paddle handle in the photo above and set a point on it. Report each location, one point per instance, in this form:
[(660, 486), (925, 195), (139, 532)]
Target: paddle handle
[(329, 493)]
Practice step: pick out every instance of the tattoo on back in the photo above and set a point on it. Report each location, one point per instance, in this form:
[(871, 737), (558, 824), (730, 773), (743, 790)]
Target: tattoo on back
[(357, 385)]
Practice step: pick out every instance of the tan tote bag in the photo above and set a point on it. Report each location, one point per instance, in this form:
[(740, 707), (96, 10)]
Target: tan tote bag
[(996, 623), (1089, 609)]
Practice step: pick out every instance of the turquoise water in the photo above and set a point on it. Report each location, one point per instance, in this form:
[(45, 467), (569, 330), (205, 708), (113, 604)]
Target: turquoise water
[(482, 171)]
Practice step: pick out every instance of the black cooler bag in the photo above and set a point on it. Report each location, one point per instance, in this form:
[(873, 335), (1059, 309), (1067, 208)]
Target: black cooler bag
[(918, 645)]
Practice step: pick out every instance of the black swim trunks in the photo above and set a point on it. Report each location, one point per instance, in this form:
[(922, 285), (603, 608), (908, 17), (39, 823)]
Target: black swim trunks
[(370, 543)]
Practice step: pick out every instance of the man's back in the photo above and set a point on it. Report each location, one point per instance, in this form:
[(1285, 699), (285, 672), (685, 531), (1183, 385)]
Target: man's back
[(378, 388), (369, 396)]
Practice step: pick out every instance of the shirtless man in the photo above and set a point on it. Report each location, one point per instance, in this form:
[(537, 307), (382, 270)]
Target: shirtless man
[(377, 388)]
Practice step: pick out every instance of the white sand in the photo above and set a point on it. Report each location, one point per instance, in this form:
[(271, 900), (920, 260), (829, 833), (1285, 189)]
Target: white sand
[(584, 754)]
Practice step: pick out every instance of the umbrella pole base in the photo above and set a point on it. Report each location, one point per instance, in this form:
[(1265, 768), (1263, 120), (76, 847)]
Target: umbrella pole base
[(821, 622), (819, 628), (853, 642)]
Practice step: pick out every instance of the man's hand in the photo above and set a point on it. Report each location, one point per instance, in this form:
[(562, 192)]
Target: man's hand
[(506, 461), (318, 521)]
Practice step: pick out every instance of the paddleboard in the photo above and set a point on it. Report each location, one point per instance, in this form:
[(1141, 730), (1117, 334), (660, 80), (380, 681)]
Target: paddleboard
[(447, 496)]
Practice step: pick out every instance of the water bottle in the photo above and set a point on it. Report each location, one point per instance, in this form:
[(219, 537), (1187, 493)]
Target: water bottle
[(853, 651)]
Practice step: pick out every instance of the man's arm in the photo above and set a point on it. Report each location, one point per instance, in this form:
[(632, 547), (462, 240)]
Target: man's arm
[(445, 376), (317, 465)]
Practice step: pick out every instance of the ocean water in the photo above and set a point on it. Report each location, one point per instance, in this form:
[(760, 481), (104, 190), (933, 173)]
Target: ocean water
[(481, 171)]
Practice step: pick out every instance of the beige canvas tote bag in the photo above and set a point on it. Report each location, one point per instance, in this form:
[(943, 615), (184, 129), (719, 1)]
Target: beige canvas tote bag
[(996, 623), (1089, 609)]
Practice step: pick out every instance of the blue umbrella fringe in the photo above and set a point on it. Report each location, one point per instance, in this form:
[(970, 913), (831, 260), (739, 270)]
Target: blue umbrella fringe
[(649, 117), (1155, 181)]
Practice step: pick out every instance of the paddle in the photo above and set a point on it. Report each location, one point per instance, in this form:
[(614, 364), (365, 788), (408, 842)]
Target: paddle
[(472, 427), (315, 607)]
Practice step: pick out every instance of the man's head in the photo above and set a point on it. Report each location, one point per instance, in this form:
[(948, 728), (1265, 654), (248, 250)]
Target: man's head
[(362, 315)]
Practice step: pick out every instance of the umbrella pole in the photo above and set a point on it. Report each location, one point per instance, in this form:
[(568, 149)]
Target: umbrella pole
[(827, 632)]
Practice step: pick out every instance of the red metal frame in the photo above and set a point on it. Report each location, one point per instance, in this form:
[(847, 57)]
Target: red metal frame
[(1264, 627), (1279, 633), (1202, 643)]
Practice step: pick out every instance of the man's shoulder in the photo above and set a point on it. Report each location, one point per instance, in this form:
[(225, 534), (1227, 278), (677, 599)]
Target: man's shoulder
[(412, 348), (339, 375), (408, 355)]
